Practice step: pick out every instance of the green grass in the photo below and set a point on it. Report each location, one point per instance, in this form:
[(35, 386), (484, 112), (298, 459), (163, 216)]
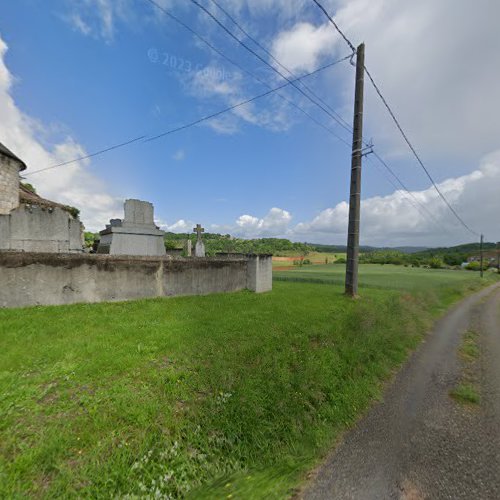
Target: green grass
[(467, 390), (316, 258), (466, 393), (469, 349), (382, 276), (236, 394)]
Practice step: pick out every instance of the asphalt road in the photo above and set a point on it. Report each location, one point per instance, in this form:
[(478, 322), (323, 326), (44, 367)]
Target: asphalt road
[(419, 443)]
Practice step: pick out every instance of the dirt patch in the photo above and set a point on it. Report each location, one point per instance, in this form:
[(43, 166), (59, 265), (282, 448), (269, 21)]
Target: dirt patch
[(410, 492)]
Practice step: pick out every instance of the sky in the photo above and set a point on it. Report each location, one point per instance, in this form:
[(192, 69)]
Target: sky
[(79, 76)]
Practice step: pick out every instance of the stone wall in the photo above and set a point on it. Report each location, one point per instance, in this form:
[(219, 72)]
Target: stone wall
[(9, 184), (33, 228), (29, 279), (260, 273)]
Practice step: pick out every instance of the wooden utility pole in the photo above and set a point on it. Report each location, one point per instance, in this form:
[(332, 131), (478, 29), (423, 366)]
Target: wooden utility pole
[(498, 257), (481, 251), (351, 277)]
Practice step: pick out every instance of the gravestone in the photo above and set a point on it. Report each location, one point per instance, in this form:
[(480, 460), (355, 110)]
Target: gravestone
[(199, 249), (188, 247), (136, 234)]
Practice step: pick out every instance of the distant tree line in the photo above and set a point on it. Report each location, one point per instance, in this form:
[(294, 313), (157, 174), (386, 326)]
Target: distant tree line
[(435, 258), (225, 243)]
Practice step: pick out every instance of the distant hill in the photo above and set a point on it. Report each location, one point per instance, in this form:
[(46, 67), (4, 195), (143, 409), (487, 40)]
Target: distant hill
[(282, 246), (343, 248), (467, 248)]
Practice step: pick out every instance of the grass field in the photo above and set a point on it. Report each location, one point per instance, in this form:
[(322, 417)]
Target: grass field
[(223, 396), (380, 276), (314, 257)]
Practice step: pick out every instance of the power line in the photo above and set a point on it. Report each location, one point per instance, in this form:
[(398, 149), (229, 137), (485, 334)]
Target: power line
[(347, 126), (396, 121), (413, 200), (248, 101), (196, 122), (416, 206), (335, 25), (258, 56), (270, 54), (91, 155), (245, 32), (413, 150), (234, 63), (400, 182)]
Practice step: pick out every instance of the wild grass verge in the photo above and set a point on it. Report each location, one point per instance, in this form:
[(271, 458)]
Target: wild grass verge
[(219, 396), (466, 393)]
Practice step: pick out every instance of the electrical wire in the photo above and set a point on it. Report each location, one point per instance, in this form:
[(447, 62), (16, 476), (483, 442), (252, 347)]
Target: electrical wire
[(341, 121), (258, 56), (200, 120), (413, 150), (396, 121), (400, 182), (247, 101), (234, 63)]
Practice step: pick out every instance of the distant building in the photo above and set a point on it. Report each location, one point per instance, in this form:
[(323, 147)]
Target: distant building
[(30, 223)]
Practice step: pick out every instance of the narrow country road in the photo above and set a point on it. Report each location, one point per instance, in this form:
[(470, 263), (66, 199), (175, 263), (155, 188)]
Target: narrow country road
[(419, 443)]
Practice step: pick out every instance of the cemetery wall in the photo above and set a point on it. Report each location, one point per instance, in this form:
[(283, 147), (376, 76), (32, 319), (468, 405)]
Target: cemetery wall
[(28, 279), (40, 229)]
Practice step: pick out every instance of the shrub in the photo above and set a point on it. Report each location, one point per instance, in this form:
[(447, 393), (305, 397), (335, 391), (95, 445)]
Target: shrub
[(472, 266), (436, 263), (170, 245)]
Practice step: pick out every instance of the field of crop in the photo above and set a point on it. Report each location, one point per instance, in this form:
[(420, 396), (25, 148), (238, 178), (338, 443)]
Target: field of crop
[(380, 276), (208, 397), (315, 258)]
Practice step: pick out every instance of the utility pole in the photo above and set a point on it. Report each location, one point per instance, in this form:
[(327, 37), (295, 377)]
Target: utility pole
[(498, 257), (481, 251), (351, 277)]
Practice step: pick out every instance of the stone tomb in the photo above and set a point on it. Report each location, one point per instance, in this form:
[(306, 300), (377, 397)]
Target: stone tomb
[(136, 234)]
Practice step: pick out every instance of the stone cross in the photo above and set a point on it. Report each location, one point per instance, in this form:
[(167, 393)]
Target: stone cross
[(199, 249), (198, 230)]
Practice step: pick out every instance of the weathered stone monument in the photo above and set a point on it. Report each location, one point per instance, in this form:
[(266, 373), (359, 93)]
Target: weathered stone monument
[(188, 248), (30, 223), (199, 249), (136, 234)]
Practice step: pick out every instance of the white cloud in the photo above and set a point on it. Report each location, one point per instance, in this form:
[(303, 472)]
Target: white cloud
[(435, 74), (300, 48), (181, 226), (393, 220), (71, 185), (275, 223)]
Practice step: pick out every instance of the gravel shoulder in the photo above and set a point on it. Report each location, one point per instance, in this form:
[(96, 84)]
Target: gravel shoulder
[(420, 443)]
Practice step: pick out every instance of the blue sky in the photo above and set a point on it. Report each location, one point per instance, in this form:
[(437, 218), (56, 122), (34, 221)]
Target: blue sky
[(88, 74)]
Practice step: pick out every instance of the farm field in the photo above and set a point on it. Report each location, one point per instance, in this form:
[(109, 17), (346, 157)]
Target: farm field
[(315, 258), (379, 276), (235, 395)]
